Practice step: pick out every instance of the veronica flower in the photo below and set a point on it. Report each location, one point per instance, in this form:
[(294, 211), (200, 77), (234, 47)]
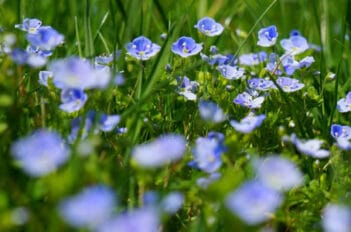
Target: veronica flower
[(342, 135), (249, 59), (106, 60), (249, 123), (109, 122), (142, 48), (267, 36), (139, 220), (172, 202), (288, 84), (344, 104), (187, 88), (72, 100), (245, 99), (87, 127), (273, 64), (336, 218), (296, 44), (211, 112), (306, 62), (254, 202), (209, 27), (186, 46), (76, 73), (230, 72), (310, 147), (278, 173), (163, 150), (19, 56), (207, 152), (261, 84), (89, 208), (40, 153), (44, 77), (46, 38), (204, 182), (290, 65), (29, 25)]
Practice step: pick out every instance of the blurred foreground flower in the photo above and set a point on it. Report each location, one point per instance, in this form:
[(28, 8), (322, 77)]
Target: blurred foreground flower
[(310, 147), (209, 27), (249, 123), (336, 218), (142, 48), (40, 153), (254, 202), (89, 208), (211, 112), (163, 150)]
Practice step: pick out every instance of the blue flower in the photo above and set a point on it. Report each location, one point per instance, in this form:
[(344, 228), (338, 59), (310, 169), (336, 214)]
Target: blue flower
[(267, 36), (109, 122), (44, 77), (187, 88), (254, 202), (219, 59), (211, 112), (209, 27), (172, 202), (29, 25), (89, 208), (40, 153), (163, 150), (142, 48), (186, 46), (249, 123), (310, 147), (87, 127), (344, 104), (246, 100), (207, 152), (72, 100), (296, 44), (249, 59), (288, 84), (342, 135), (139, 220), (261, 84), (76, 73), (106, 60), (273, 64), (290, 65), (204, 182), (336, 218), (278, 173), (19, 56), (46, 38), (230, 72), (306, 62)]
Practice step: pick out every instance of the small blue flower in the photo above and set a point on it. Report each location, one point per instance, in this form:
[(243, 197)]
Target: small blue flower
[(29, 25), (77, 73), (72, 100), (44, 77), (261, 84), (186, 46), (342, 135), (273, 64), (106, 60), (288, 84), (40, 153), (142, 48), (89, 208), (254, 202), (290, 65), (46, 38), (172, 202), (219, 59), (87, 127), (246, 100), (207, 152), (278, 173), (249, 59), (211, 112), (306, 62), (209, 27), (230, 72), (163, 150), (336, 218), (267, 36), (310, 147), (249, 123), (19, 56), (139, 220), (187, 88), (296, 44), (204, 182), (109, 122), (344, 104)]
